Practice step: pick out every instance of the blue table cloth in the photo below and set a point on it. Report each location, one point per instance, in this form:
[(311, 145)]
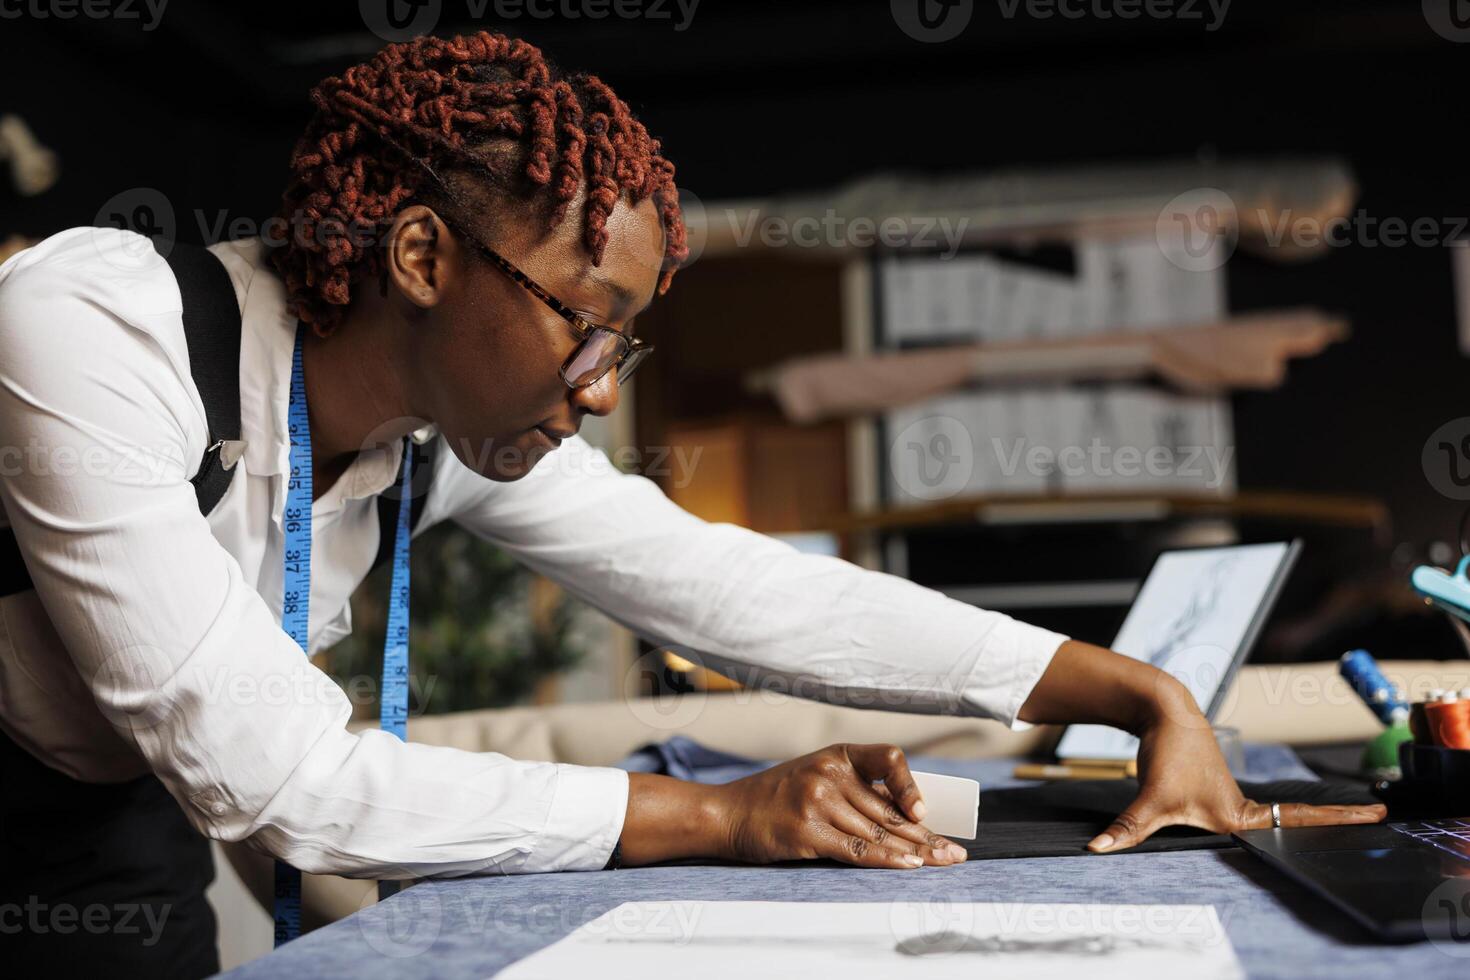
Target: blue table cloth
[(475, 927)]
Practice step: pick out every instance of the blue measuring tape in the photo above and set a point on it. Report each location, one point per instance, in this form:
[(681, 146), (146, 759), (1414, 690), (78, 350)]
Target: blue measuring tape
[(296, 608), (393, 714)]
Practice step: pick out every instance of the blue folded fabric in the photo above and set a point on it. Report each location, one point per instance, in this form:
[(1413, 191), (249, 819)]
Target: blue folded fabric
[(684, 758)]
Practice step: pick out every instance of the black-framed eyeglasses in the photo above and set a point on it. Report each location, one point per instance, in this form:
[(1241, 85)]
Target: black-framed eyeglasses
[(601, 349)]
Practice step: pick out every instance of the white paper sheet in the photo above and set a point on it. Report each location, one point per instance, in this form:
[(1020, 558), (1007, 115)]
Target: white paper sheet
[(1119, 284), (934, 940), (1033, 440)]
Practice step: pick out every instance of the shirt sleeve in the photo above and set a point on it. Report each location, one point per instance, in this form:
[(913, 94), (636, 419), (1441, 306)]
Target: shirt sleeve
[(747, 605), (182, 654)]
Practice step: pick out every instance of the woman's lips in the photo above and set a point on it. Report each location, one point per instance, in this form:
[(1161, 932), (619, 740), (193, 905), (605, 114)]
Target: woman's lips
[(553, 437)]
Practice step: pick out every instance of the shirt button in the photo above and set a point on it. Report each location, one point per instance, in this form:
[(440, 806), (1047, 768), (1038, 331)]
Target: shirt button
[(218, 809)]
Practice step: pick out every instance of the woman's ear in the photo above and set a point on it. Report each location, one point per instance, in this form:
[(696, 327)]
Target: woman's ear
[(418, 248)]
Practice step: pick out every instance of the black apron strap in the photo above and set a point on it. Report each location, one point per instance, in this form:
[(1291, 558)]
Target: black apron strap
[(212, 331)]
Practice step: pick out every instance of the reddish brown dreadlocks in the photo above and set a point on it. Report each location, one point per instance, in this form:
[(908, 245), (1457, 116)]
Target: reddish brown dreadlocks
[(484, 104)]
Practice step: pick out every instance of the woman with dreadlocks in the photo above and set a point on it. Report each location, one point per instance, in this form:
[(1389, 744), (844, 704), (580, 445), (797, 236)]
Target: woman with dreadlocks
[(464, 243)]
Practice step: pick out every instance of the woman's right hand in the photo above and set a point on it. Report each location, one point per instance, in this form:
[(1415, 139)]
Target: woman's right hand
[(822, 805)]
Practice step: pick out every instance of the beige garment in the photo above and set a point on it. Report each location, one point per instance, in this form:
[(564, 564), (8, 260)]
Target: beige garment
[(1245, 352)]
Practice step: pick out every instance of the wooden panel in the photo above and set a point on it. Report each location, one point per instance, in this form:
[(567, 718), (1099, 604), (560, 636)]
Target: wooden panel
[(718, 487), (722, 319), (798, 476), (762, 473)]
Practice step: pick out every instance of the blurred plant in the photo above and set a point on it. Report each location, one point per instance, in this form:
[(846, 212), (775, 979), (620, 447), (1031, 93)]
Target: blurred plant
[(483, 632)]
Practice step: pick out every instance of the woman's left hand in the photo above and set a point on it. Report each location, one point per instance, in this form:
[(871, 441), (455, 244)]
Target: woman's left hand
[(1183, 779)]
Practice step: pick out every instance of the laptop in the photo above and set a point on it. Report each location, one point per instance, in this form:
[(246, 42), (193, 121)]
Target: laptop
[(1402, 881)]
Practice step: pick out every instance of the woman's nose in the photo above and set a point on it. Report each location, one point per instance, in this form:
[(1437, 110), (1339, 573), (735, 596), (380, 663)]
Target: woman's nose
[(600, 397)]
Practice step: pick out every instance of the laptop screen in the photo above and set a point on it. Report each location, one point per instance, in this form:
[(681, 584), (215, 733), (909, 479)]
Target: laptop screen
[(1196, 617)]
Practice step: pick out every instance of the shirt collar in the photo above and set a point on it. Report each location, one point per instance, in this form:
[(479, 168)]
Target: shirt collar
[(267, 342)]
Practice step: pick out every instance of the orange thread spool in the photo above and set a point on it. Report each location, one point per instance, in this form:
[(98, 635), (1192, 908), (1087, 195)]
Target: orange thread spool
[(1450, 723)]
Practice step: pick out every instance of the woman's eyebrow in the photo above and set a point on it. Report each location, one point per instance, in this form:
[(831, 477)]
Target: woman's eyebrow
[(623, 295)]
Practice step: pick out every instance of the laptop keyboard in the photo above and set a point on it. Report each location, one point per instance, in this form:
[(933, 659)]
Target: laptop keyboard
[(1451, 835)]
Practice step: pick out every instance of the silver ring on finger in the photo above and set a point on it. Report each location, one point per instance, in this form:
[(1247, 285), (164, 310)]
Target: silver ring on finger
[(1276, 815)]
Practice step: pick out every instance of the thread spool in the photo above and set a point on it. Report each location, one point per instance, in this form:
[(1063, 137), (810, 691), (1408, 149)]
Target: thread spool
[(1381, 754), (1361, 671), (1419, 724), (1449, 721)]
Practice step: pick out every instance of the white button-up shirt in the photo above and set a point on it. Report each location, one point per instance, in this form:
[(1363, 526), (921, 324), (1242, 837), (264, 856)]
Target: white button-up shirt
[(152, 641)]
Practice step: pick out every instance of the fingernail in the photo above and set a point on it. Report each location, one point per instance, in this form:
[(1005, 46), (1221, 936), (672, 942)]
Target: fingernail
[(913, 860), (1102, 842), (920, 811), (955, 851)]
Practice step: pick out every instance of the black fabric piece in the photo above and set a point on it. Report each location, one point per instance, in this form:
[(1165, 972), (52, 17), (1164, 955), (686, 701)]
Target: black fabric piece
[(212, 331), (422, 474), (103, 880), (1059, 819), (615, 859), (14, 575)]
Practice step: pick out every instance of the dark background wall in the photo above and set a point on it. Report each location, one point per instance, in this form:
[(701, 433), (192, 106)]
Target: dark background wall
[(756, 98)]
